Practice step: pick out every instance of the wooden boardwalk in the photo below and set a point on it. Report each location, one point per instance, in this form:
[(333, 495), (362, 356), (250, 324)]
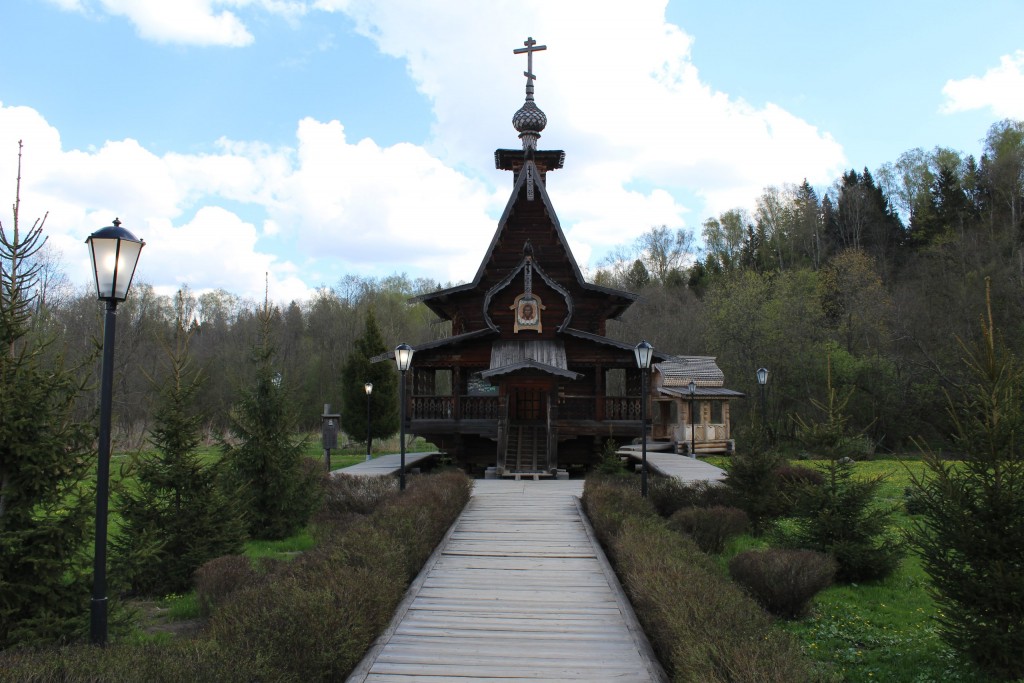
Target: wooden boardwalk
[(518, 591), (681, 467), (385, 464)]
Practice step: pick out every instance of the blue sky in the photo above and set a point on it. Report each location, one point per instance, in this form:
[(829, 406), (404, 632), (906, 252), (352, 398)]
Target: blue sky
[(311, 139)]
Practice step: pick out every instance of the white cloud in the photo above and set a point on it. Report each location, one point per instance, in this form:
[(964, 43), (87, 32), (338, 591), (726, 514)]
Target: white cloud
[(644, 137), (1001, 89), (188, 22), (622, 97)]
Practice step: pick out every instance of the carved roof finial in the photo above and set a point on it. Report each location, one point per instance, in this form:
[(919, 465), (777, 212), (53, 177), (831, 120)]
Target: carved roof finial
[(529, 120)]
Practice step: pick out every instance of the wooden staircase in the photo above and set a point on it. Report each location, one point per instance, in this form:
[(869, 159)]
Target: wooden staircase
[(526, 451)]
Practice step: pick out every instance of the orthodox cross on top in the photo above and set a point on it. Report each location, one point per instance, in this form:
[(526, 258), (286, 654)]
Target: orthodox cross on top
[(531, 47)]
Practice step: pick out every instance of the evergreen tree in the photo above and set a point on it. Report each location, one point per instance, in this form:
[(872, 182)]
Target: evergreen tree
[(970, 535), (357, 371), (45, 500), (178, 515), (842, 517), (278, 487)]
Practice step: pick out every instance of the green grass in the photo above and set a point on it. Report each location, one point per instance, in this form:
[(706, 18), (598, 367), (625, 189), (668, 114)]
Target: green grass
[(882, 631), (284, 548)]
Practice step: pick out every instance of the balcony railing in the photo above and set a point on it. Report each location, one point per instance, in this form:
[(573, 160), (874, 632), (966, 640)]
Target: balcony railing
[(570, 407)]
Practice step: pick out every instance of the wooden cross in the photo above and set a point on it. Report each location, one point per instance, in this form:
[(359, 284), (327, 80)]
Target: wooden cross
[(531, 47)]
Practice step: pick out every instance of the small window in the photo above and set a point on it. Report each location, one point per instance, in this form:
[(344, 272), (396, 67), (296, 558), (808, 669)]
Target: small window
[(615, 382), (717, 412)]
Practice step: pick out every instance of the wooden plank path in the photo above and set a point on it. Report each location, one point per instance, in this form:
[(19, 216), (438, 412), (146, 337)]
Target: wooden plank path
[(518, 591), (385, 464), (681, 467)]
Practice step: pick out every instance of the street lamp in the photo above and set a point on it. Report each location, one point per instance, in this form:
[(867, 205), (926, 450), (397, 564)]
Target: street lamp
[(115, 253), (644, 352), (762, 380), (369, 390), (403, 357), (693, 427)]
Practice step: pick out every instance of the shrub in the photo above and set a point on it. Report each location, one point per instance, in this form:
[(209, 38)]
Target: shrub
[(669, 494), (609, 503), (219, 578), (347, 499), (331, 602), (345, 493), (710, 527), (751, 480), (310, 625), (166, 662), (783, 581), (702, 626)]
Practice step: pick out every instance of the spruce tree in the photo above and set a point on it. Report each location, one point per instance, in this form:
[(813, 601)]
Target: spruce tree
[(46, 498), (358, 370), (176, 513), (278, 488), (970, 534)]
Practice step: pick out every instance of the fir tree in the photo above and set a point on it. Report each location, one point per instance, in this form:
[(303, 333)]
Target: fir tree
[(843, 517), (178, 515), (278, 487), (45, 497), (970, 535), (358, 370)]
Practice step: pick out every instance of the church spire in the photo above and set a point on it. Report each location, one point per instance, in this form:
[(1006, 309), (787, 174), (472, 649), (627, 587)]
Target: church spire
[(529, 120)]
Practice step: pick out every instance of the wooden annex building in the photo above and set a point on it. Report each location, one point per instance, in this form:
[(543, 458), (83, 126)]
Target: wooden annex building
[(528, 381)]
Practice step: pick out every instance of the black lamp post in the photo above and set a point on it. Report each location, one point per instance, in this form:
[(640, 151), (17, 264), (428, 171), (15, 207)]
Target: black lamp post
[(115, 253), (762, 380), (403, 357), (693, 427), (369, 390), (644, 352)]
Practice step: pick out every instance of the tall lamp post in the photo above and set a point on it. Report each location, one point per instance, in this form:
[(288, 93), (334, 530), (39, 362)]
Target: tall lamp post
[(369, 390), (644, 352), (693, 427), (115, 253), (762, 380), (403, 357)]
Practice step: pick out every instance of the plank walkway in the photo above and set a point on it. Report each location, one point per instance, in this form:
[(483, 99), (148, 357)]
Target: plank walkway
[(384, 465), (681, 467), (518, 591)]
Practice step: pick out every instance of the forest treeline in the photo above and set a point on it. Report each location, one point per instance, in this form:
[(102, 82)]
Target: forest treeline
[(876, 277)]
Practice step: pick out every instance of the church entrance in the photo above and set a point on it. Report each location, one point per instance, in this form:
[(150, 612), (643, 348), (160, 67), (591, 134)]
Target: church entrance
[(526, 448)]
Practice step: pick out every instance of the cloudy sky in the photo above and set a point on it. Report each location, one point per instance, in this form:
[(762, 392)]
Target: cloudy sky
[(310, 139)]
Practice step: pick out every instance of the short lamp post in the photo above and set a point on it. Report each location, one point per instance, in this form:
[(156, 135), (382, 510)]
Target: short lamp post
[(115, 253), (762, 381), (403, 357), (369, 435), (644, 353), (693, 426)]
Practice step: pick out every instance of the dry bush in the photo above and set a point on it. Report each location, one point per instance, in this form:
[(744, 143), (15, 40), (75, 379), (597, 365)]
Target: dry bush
[(783, 581), (702, 626), (165, 662), (219, 578), (711, 527), (669, 494), (609, 502), (310, 625)]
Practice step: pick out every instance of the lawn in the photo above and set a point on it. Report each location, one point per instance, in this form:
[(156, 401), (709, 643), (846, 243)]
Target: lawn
[(880, 631)]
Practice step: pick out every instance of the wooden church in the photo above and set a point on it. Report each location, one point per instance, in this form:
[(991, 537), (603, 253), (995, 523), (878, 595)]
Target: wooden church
[(528, 382)]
